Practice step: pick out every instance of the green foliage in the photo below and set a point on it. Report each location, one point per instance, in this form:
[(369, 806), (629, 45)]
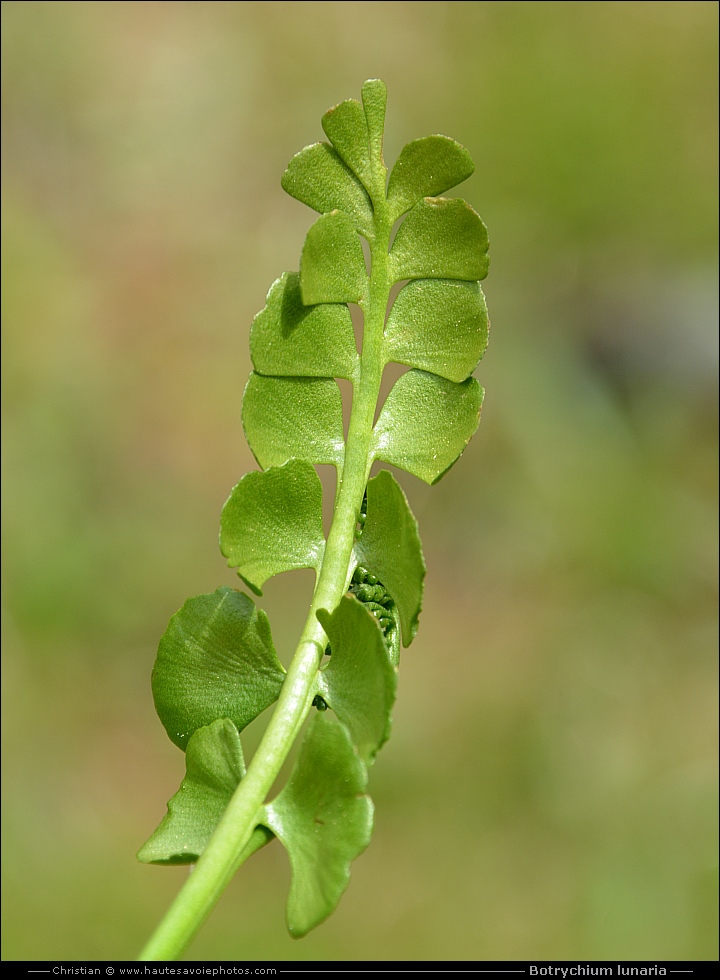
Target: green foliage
[(389, 547), (214, 767), (293, 418), (216, 668), (440, 239), (438, 325), (425, 168), (324, 819), (272, 522), (426, 423), (291, 339), (359, 682), (332, 265), (319, 178), (216, 660)]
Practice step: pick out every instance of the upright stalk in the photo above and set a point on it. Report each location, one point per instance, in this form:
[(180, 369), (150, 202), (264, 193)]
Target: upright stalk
[(234, 839)]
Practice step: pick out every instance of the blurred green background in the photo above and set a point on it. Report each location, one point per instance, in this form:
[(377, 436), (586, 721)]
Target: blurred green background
[(550, 788)]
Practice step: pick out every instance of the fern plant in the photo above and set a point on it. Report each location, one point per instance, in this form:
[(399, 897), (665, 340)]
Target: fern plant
[(216, 667)]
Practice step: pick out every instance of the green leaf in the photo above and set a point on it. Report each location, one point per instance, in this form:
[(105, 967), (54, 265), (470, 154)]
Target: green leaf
[(332, 266), (440, 239), (374, 99), (319, 178), (390, 548), (286, 418), (425, 168), (359, 682), (426, 423), (438, 325), (214, 767), (324, 820), (346, 127), (216, 660), (291, 339), (272, 522)]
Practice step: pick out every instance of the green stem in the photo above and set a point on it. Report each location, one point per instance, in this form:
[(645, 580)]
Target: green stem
[(233, 841)]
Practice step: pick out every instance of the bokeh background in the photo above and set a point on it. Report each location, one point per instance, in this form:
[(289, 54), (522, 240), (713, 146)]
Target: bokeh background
[(550, 787)]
